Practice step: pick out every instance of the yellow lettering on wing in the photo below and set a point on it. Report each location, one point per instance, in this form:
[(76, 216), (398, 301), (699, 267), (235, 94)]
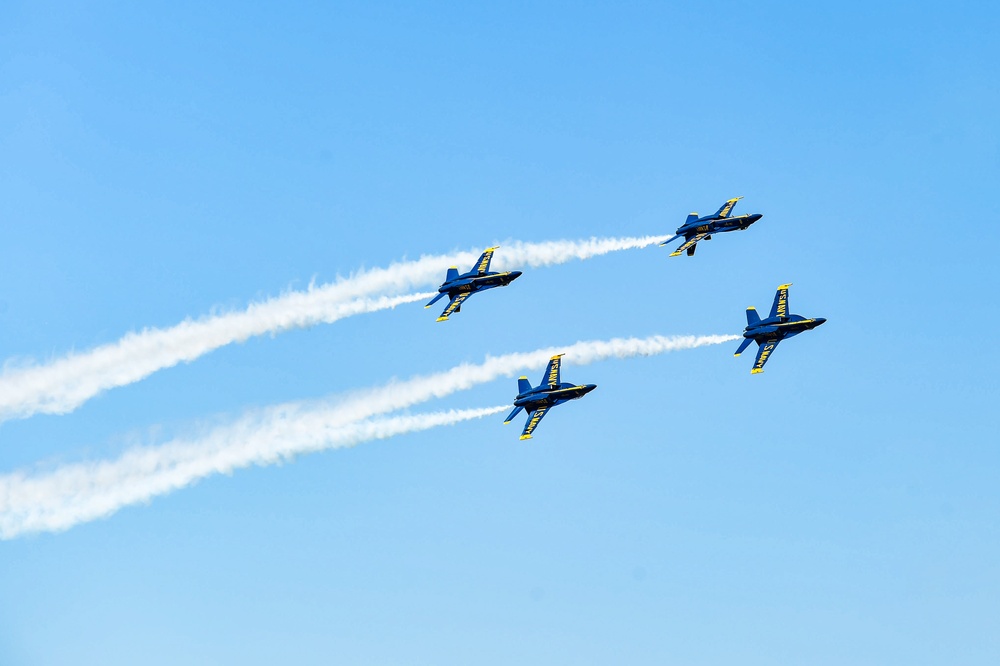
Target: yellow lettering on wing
[(764, 354)]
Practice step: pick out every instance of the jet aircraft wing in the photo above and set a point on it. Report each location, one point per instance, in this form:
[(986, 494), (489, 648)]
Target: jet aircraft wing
[(533, 420), (688, 245), (551, 376), (763, 353), (454, 305), (483, 265), (780, 306), (727, 207)]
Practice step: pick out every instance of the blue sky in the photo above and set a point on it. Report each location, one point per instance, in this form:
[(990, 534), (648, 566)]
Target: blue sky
[(172, 160)]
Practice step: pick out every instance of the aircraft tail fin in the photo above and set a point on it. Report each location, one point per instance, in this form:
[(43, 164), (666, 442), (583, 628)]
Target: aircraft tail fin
[(752, 317), (523, 385), (691, 218), (452, 274)]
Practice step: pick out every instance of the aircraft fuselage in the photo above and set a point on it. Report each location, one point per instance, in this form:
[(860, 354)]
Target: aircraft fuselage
[(471, 283), (549, 396), (778, 328), (714, 225)]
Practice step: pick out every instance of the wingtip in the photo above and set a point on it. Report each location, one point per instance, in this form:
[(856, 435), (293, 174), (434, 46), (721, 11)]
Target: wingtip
[(441, 319), (756, 371), (525, 436), (555, 357), (784, 286)]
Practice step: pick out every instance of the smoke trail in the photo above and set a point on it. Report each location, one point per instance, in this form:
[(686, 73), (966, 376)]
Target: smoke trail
[(86, 491), (76, 493), (62, 385), (400, 394)]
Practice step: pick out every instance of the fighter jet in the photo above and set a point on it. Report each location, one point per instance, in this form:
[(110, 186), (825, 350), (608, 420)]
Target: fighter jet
[(697, 229), (539, 400), (459, 287), (767, 333)]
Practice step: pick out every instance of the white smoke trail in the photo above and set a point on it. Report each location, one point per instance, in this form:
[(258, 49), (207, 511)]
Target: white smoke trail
[(64, 384), (397, 395), (76, 493), (86, 491), (61, 385)]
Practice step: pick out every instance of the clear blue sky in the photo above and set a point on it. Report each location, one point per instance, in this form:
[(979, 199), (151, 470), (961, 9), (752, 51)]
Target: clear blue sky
[(161, 160)]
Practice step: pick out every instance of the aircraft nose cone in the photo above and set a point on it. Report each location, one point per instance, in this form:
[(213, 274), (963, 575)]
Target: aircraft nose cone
[(755, 217), (515, 274), (820, 320), (589, 387)]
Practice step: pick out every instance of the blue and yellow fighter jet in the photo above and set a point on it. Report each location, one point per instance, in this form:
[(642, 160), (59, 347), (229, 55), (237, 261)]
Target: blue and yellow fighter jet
[(697, 229), (459, 287), (767, 333), (539, 400)]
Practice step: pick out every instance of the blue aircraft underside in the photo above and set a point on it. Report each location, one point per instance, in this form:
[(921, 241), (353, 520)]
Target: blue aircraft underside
[(696, 229), (779, 325), (458, 288), (537, 401)]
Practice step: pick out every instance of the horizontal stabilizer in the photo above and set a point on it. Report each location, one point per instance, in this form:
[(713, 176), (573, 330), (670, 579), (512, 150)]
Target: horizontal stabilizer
[(510, 417), (670, 240), (743, 346), (436, 299)]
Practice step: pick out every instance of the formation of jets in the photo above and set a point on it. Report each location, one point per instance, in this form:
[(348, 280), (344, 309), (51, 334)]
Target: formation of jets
[(538, 400)]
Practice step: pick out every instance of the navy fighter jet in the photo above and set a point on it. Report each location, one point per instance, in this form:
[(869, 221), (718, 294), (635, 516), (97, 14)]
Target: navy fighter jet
[(697, 229), (767, 333), (539, 400), (459, 287)]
